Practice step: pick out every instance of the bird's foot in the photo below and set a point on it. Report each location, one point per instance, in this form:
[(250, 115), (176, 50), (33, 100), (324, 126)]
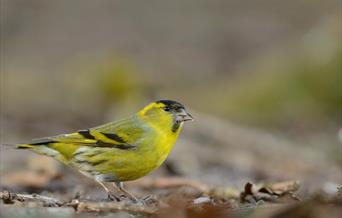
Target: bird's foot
[(147, 200), (132, 199), (113, 197), (139, 202), (150, 199), (135, 200)]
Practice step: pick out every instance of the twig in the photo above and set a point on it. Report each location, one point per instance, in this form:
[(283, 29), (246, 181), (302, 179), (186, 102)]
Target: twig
[(79, 206), (114, 206), (272, 193), (9, 198)]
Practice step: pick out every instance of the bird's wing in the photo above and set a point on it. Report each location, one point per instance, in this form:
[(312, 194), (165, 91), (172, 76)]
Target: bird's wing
[(119, 135)]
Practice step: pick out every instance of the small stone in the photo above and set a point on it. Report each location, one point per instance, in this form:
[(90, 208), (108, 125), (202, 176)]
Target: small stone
[(202, 200)]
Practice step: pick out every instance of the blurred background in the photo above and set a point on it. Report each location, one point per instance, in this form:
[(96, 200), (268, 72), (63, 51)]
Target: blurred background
[(262, 79)]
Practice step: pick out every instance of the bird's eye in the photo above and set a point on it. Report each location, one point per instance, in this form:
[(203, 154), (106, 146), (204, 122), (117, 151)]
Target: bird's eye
[(167, 109)]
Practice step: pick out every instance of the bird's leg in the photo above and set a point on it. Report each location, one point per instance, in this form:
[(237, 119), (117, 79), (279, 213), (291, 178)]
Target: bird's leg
[(119, 185), (110, 194)]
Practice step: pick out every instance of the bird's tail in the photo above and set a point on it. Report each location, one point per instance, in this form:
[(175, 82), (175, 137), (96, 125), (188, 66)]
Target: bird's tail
[(18, 146), (25, 146), (39, 143), (44, 147)]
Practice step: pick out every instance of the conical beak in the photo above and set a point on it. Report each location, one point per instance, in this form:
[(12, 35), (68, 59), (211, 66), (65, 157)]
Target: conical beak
[(183, 116)]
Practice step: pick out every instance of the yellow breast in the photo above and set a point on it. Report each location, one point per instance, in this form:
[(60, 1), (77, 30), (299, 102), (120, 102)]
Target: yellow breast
[(148, 157)]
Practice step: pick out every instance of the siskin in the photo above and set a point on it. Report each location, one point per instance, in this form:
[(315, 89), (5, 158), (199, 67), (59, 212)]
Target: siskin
[(119, 151)]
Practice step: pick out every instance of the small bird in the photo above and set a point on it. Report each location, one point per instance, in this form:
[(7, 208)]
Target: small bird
[(119, 151)]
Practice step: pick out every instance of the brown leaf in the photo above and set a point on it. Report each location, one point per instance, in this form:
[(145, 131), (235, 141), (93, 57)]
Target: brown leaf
[(253, 193)]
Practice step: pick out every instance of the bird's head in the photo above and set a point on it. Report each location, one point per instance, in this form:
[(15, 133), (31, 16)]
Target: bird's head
[(164, 111)]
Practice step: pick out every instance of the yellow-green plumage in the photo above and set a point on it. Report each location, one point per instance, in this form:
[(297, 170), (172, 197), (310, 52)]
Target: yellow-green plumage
[(123, 150)]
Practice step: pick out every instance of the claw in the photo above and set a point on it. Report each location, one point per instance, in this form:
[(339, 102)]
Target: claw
[(113, 197), (150, 199)]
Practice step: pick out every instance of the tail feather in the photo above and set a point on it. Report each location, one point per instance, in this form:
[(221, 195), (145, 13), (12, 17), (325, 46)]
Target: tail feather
[(25, 146), (48, 148), (42, 148), (17, 146), (42, 142)]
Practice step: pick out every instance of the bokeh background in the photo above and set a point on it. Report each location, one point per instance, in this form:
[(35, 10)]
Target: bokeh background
[(262, 78)]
